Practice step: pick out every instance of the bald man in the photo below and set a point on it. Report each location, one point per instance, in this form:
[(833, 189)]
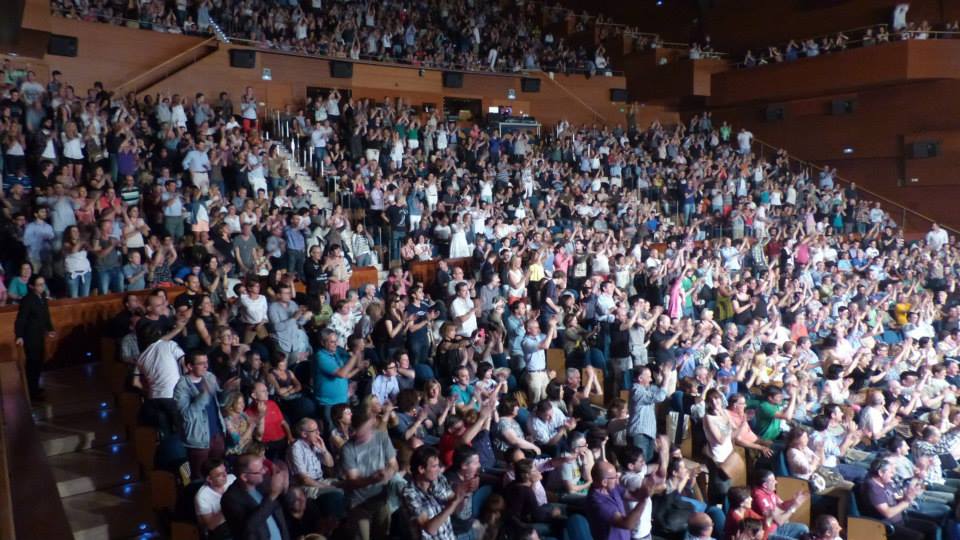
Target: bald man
[(699, 527), (606, 511)]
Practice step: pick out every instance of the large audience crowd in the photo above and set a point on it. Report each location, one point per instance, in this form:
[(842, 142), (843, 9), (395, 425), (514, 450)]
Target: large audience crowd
[(597, 290), (465, 34)]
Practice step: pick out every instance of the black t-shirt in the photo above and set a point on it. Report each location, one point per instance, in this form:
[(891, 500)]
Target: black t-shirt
[(165, 323), (398, 217), (658, 348)]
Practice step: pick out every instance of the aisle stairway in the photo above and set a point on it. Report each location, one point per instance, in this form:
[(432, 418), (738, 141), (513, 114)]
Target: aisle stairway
[(302, 178), (91, 455)]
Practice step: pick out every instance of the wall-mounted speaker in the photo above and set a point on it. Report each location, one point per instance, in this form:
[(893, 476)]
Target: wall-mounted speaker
[(619, 95), (774, 113), (452, 79), (840, 107), (62, 45), (924, 149), (243, 58), (530, 85), (341, 70)]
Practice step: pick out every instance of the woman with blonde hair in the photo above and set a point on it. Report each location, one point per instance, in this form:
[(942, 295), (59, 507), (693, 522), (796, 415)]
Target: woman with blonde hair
[(73, 143), (238, 426)]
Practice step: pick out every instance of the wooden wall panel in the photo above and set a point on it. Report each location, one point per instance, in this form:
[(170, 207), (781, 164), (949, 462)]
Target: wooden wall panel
[(115, 54), (885, 117), (940, 170), (882, 64), (112, 54), (79, 323)]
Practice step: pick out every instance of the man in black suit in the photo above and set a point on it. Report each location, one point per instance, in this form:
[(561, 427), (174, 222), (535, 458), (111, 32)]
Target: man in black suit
[(250, 508), (32, 327)]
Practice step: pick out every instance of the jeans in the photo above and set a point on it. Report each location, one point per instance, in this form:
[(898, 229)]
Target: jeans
[(79, 286), (715, 512), (645, 443), (110, 279), (396, 239), (419, 349), (174, 226), (789, 531), (295, 260)]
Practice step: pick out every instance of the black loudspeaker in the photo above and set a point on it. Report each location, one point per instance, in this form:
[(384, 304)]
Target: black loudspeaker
[(452, 79), (62, 45), (243, 58), (619, 95), (530, 85), (773, 113), (840, 107), (924, 149), (341, 70)]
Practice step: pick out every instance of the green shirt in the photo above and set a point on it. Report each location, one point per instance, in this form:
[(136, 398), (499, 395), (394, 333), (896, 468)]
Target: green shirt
[(768, 425)]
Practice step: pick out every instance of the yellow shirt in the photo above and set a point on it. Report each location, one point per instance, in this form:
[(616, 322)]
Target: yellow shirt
[(536, 272)]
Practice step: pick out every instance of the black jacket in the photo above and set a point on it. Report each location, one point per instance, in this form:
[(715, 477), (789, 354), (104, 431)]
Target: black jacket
[(246, 519), (33, 318)]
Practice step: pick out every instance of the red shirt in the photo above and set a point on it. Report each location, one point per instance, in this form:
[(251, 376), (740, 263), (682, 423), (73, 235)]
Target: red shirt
[(272, 424), (764, 503), (732, 525), (448, 443)]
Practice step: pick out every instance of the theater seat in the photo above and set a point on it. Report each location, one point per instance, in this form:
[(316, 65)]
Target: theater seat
[(163, 490), (787, 488), (866, 528), (184, 531), (145, 445)]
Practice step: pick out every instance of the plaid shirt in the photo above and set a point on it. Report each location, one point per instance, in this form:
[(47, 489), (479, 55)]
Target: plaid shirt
[(417, 502), (934, 474)]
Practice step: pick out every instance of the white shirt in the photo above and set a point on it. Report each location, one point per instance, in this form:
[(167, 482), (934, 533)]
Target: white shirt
[(253, 311), (207, 500), (72, 148), (744, 138), (159, 366), (937, 239), (871, 420), (633, 481), (458, 308)]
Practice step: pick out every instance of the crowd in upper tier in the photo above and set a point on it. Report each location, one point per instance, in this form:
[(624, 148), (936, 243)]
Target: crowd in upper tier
[(662, 269), (464, 34)]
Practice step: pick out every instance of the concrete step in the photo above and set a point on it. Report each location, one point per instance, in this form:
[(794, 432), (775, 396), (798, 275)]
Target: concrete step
[(74, 390), (94, 469), (73, 433), (118, 512)]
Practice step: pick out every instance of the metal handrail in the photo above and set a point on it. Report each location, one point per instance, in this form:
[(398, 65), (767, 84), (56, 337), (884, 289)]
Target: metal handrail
[(686, 47), (872, 194)]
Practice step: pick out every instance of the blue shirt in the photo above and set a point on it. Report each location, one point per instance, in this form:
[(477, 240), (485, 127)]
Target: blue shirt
[(330, 389), (271, 522), (294, 239)]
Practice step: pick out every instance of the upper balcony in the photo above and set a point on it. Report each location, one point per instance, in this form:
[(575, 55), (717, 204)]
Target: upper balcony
[(879, 65)]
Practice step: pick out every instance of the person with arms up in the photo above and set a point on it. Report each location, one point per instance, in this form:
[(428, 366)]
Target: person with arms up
[(196, 397), (606, 509), (250, 506), (332, 369)]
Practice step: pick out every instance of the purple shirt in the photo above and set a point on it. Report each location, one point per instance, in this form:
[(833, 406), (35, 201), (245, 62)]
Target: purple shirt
[(601, 507)]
